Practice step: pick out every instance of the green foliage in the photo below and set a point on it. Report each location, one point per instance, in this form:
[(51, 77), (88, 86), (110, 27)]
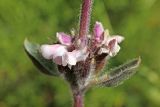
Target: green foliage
[(21, 85)]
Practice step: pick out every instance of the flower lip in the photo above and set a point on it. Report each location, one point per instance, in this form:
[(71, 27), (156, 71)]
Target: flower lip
[(52, 51), (61, 56)]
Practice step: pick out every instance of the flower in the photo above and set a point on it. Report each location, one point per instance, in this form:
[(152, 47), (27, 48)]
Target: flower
[(60, 53), (109, 44), (66, 52)]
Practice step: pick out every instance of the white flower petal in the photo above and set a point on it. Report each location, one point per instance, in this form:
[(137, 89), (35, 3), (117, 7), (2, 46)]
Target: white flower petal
[(47, 51), (75, 56), (60, 50), (118, 38), (70, 58), (54, 52), (103, 50)]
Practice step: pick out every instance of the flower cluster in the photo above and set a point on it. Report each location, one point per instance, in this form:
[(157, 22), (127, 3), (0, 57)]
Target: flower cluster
[(80, 58), (67, 51)]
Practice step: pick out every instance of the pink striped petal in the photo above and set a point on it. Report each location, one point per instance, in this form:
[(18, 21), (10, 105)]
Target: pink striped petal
[(64, 39), (113, 47), (98, 31)]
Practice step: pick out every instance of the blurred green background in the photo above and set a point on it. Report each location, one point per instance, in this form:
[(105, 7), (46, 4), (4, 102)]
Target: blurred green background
[(22, 85)]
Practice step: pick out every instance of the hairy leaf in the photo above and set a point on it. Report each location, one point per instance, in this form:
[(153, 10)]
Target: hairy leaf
[(45, 66), (117, 75), (121, 73)]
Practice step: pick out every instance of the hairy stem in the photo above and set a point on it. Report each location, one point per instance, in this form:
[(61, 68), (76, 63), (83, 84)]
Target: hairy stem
[(85, 19), (78, 100)]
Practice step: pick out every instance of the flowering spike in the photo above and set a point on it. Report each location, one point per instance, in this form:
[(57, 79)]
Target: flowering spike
[(81, 59)]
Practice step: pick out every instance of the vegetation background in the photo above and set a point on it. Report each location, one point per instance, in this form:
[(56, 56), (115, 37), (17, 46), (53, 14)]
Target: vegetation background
[(22, 85)]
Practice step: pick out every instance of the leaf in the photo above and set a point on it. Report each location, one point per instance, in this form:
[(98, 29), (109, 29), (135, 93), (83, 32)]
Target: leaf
[(44, 65), (118, 75)]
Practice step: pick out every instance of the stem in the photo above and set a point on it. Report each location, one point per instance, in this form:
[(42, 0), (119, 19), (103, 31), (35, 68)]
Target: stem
[(85, 19), (78, 100)]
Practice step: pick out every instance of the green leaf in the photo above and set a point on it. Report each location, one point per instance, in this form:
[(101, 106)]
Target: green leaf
[(117, 75), (44, 65)]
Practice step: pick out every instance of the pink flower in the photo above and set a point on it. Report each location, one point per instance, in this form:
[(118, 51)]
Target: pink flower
[(109, 43), (59, 52), (68, 51)]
